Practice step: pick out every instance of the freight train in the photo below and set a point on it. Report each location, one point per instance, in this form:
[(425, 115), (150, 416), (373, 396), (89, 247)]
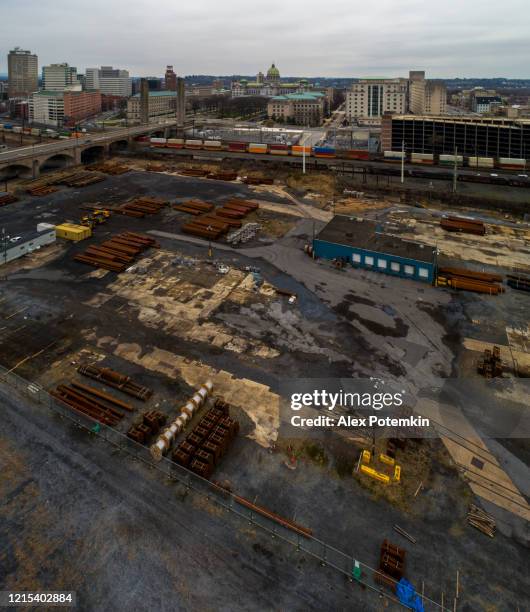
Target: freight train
[(328, 152)]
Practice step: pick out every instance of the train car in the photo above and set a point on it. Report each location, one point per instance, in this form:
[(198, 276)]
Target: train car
[(35, 132), (394, 156), (17, 129), (481, 162), (422, 158), (361, 154), (212, 145), (239, 147), (193, 144), (175, 143), (8, 126), (142, 138), (512, 163), (254, 147), (328, 152), (298, 150), (158, 142), (449, 160), (278, 149)]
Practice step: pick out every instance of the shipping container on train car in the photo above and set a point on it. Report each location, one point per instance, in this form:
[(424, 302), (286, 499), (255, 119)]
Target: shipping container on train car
[(298, 150), (512, 163), (175, 143), (278, 149), (193, 144), (35, 131), (394, 156), (237, 146), (212, 145), (324, 152), (17, 129), (8, 126), (158, 142), (142, 138), (449, 160), (255, 147), (480, 162), (422, 158), (362, 154)]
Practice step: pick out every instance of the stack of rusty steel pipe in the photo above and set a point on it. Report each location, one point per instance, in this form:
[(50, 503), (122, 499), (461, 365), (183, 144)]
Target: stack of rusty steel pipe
[(463, 225), (139, 207), (470, 280), (95, 403), (217, 222), (111, 378), (194, 207), (118, 252)]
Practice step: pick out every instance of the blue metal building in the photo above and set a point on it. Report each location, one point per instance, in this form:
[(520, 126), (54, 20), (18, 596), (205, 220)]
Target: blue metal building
[(363, 244)]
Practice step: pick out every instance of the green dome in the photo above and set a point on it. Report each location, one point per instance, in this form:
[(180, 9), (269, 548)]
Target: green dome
[(273, 72)]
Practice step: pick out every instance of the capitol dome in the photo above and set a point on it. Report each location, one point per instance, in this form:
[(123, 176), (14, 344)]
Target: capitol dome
[(273, 74)]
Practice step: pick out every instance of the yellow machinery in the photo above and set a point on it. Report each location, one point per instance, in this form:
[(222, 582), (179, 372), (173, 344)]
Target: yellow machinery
[(71, 231), (376, 474)]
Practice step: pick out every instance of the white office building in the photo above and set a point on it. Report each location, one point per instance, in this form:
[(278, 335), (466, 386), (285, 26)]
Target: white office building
[(370, 98), (109, 81)]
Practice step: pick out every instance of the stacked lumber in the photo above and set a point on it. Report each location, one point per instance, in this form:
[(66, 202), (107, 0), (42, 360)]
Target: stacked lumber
[(481, 520), (470, 280), (94, 403), (463, 225), (7, 198), (118, 252), (522, 283)]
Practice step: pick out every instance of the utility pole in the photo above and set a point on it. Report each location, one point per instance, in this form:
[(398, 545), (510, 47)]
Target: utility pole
[(303, 158), (455, 170), (402, 161)]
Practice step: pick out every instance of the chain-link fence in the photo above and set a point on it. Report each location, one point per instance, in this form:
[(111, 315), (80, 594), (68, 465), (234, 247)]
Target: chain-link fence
[(327, 555)]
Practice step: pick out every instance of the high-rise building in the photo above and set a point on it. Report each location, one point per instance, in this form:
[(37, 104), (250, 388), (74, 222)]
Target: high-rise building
[(426, 96), (109, 81), (23, 75), (58, 77), (170, 79), (369, 99), (160, 105)]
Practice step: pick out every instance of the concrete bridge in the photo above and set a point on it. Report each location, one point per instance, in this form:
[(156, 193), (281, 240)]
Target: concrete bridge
[(30, 161)]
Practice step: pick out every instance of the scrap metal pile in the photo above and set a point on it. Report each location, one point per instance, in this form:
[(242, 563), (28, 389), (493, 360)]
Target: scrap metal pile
[(469, 280), (463, 225), (491, 365), (97, 404), (204, 447), (118, 252), (111, 378), (481, 520), (217, 222)]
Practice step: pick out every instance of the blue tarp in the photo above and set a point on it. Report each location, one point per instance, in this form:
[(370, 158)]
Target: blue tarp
[(407, 596)]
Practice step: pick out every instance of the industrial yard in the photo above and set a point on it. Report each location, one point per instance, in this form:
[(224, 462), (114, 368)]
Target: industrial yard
[(187, 295)]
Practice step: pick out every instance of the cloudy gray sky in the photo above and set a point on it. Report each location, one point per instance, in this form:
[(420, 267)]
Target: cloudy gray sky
[(481, 38)]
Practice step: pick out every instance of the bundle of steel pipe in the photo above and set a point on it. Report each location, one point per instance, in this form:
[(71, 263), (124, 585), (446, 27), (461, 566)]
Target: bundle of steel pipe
[(460, 224), (92, 402), (111, 378), (164, 442), (116, 253)]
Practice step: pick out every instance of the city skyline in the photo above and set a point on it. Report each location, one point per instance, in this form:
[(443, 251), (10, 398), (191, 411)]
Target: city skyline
[(345, 39)]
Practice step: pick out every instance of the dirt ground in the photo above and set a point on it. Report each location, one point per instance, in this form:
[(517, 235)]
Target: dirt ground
[(179, 317)]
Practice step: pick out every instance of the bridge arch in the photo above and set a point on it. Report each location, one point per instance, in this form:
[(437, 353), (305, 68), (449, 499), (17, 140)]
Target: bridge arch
[(118, 145), (92, 154), (16, 170), (55, 162)]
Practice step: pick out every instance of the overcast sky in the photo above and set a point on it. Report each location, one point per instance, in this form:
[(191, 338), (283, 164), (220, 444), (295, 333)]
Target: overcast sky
[(482, 38)]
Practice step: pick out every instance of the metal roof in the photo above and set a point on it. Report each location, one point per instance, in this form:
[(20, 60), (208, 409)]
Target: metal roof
[(370, 236)]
